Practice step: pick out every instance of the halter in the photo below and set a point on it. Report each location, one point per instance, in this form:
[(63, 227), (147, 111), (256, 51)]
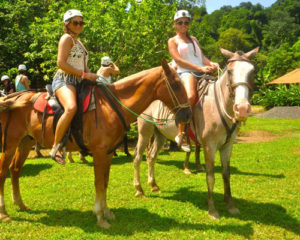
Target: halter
[(231, 90)]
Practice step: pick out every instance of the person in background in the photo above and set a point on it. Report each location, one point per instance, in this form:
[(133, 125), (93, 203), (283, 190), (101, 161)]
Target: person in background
[(21, 81), (108, 67), (72, 61), (189, 58), (9, 87)]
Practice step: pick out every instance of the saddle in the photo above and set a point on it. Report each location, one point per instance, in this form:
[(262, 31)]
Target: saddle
[(48, 104), (203, 80)]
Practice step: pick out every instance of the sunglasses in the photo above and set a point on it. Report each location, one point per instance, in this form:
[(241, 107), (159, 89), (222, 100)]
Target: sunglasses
[(75, 23), (186, 23)]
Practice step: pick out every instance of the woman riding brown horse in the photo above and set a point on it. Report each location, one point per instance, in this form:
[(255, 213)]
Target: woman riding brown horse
[(102, 128)]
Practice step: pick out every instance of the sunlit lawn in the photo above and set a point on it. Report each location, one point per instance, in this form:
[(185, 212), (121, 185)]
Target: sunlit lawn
[(265, 186)]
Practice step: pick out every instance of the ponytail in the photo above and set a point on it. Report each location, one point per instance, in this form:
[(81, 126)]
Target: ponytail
[(190, 38)]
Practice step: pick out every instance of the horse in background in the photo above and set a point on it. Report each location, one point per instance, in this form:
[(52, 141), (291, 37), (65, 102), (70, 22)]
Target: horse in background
[(103, 128), (217, 118), (156, 112)]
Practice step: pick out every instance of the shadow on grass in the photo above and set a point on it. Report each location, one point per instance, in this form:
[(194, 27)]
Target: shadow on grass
[(128, 222), (218, 169), (31, 170), (265, 213)]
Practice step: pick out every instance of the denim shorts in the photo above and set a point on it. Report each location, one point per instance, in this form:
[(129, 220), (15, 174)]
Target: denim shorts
[(182, 75), (62, 79)]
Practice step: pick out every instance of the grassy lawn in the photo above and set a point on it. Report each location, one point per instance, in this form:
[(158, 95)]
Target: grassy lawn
[(265, 186)]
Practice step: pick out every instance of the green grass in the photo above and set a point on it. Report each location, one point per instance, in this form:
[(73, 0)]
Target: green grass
[(264, 179)]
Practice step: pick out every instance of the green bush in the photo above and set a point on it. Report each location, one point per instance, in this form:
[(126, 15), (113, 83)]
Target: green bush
[(280, 96)]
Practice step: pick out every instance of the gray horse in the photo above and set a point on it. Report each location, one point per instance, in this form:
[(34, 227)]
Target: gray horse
[(217, 120)]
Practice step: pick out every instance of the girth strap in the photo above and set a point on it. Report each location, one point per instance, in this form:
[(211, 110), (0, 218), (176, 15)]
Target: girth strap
[(228, 129)]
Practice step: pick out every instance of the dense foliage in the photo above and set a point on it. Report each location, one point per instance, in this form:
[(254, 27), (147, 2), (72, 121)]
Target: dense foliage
[(134, 33)]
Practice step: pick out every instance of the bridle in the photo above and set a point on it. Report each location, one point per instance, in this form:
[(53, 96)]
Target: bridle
[(176, 103), (220, 106)]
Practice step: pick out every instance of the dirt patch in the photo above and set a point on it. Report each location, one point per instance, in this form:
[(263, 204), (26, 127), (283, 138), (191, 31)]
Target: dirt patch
[(256, 136)]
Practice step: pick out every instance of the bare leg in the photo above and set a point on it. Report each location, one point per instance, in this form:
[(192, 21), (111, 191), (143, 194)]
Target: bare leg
[(67, 98)]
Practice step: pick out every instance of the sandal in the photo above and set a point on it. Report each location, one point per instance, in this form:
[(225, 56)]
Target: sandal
[(59, 159)]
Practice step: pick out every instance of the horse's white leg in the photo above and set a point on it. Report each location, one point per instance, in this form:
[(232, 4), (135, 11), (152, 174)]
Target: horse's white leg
[(157, 144), (15, 170), (145, 130), (209, 153), (102, 164), (225, 154)]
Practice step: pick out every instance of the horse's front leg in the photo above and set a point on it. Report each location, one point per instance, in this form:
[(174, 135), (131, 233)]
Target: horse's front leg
[(102, 163), (225, 154), (157, 144), (209, 153), (16, 167)]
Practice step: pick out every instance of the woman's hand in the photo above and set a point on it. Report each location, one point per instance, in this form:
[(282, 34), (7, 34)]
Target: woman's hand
[(90, 76), (214, 65), (206, 69)]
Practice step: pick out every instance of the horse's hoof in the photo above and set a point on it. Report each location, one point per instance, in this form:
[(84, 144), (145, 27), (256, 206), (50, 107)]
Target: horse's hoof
[(23, 208), (103, 224), (187, 171), (4, 218), (155, 189), (109, 214), (201, 168), (214, 215), (233, 210), (140, 195)]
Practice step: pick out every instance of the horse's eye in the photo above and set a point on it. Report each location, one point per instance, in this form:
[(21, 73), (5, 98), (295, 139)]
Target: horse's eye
[(229, 72), (175, 85)]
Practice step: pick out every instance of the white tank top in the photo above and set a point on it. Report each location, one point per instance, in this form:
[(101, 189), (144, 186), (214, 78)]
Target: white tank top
[(77, 57), (186, 51)]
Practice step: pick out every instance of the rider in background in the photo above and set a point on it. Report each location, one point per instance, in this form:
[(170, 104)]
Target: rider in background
[(9, 87), (72, 63), (189, 58), (107, 68), (21, 81)]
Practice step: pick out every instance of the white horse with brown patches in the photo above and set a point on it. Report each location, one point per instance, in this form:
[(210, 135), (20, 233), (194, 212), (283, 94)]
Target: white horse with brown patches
[(217, 119)]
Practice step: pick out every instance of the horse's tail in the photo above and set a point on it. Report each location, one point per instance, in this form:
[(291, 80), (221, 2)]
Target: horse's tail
[(9, 105)]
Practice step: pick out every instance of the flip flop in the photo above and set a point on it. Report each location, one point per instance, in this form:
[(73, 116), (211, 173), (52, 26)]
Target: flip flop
[(59, 159)]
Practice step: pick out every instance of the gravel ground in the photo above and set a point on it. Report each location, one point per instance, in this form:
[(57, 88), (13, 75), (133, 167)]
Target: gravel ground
[(281, 112)]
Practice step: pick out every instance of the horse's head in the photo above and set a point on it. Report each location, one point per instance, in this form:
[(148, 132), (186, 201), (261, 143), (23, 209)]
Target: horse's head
[(171, 92), (240, 72)]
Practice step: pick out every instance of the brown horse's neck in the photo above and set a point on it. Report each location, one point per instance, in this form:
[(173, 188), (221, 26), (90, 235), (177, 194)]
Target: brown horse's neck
[(137, 92)]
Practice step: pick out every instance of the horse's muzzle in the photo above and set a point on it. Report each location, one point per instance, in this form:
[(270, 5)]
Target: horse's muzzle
[(242, 111), (183, 115)]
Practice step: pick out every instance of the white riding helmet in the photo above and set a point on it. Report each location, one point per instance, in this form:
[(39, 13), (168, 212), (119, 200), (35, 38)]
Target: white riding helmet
[(72, 13), (22, 67), (105, 60), (4, 77), (181, 14)]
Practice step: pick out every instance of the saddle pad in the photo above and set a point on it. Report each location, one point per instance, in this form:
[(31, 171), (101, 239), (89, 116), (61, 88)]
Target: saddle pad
[(41, 102)]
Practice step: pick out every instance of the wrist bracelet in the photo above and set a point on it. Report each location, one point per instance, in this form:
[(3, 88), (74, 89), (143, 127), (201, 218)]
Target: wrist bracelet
[(82, 75)]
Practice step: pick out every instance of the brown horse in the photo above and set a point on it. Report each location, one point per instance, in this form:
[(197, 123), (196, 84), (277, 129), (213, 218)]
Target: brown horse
[(216, 119), (22, 127)]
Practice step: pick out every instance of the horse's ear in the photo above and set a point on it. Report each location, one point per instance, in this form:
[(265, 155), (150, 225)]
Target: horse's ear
[(252, 53), (226, 53), (166, 67)]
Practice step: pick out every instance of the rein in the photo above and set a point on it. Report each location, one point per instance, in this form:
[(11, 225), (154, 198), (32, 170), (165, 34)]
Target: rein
[(163, 121)]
